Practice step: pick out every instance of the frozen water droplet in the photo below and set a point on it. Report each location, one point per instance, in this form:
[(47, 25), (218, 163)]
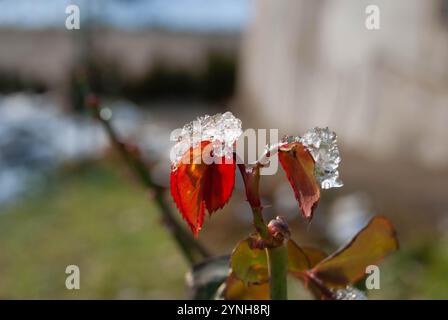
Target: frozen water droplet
[(322, 144), (350, 293), (222, 130), (106, 114), (326, 185)]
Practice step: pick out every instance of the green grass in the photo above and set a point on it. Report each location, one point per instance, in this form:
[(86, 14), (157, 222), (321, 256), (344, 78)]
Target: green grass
[(96, 217), (99, 220)]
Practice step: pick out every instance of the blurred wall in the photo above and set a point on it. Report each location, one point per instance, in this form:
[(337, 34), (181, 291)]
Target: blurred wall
[(385, 92), (48, 56)]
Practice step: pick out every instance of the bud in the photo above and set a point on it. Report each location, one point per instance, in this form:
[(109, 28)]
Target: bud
[(279, 230)]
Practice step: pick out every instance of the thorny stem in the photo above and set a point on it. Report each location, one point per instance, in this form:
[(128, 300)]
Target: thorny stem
[(277, 255), (192, 250)]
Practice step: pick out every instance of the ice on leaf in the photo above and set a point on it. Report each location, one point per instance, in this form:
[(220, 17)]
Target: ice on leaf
[(322, 144), (222, 130), (349, 293), (195, 183)]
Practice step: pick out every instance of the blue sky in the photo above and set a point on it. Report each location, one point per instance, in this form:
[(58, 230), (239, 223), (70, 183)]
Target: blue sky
[(189, 15)]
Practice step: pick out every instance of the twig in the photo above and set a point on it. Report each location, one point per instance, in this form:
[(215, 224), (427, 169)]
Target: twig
[(189, 246)]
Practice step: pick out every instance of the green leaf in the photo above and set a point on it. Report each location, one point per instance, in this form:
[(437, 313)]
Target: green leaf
[(249, 264), (236, 290)]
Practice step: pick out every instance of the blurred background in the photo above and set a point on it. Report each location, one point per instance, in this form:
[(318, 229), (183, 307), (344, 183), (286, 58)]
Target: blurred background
[(66, 198)]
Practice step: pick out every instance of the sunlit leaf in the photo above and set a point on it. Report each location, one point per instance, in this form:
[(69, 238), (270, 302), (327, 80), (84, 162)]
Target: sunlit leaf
[(196, 185), (368, 247), (236, 290), (299, 167), (249, 264)]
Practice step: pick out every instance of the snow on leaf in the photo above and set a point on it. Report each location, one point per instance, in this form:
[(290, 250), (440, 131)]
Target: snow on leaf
[(222, 130), (198, 184), (322, 144), (349, 293)]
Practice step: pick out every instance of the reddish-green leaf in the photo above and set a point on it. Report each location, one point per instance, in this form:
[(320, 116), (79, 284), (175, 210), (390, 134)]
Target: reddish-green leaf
[(249, 264), (299, 167), (300, 260), (314, 255), (368, 247), (237, 290), (297, 260), (196, 185)]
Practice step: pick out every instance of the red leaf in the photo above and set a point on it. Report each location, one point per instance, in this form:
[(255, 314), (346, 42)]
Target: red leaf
[(299, 167), (196, 185)]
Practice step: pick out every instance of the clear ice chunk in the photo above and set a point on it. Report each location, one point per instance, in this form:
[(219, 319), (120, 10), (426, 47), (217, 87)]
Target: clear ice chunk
[(350, 293), (322, 145), (222, 130)]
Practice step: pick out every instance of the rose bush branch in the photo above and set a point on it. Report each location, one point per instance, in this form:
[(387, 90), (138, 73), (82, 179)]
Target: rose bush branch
[(190, 247)]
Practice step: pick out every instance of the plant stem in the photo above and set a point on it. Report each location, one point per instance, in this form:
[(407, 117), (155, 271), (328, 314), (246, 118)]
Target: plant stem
[(278, 255), (278, 270), (277, 259), (192, 250), (259, 224)]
